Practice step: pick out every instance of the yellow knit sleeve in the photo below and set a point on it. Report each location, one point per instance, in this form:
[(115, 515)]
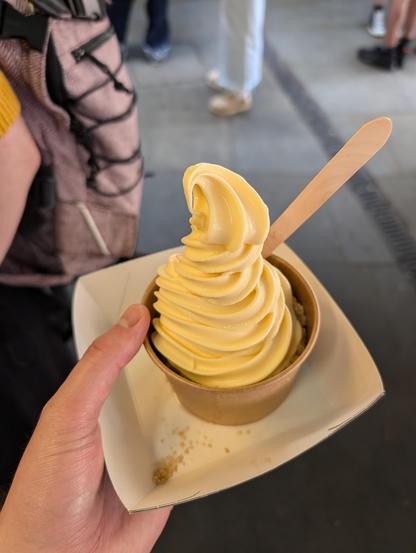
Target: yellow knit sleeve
[(9, 106)]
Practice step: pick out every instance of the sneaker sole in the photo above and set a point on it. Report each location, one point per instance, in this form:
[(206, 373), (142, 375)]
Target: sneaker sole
[(229, 113), (375, 35)]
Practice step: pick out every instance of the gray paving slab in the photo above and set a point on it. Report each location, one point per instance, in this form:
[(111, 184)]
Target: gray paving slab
[(272, 138), (347, 91), (395, 166), (175, 146), (164, 215), (403, 187), (359, 289), (406, 80), (403, 142), (360, 240), (184, 67), (183, 104)]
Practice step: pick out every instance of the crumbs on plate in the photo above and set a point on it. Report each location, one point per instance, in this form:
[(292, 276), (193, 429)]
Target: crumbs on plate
[(165, 468)]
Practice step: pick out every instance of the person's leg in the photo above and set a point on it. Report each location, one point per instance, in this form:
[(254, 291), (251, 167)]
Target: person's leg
[(241, 55), (118, 12), (156, 46), (158, 25), (409, 33), (34, 360), (395, 20), (409, 30), (241, 59)]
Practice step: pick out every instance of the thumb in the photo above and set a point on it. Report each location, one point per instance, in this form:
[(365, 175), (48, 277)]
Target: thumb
[(80, 398)]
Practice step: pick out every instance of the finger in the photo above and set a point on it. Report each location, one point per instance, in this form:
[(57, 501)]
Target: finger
[(90, 382)]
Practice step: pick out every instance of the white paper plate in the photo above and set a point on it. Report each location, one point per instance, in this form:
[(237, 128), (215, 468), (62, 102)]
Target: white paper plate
[(142, 421)]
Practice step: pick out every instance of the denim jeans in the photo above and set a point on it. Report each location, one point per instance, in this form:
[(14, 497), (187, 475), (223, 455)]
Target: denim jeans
[(158, 27)]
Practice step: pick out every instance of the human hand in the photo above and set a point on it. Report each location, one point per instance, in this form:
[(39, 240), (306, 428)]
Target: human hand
[(61, 499)]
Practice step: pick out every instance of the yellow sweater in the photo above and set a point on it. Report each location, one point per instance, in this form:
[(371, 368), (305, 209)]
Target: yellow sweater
[(9, 106)]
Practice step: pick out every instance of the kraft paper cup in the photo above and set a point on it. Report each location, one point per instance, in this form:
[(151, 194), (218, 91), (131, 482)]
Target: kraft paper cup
[(242, 404)]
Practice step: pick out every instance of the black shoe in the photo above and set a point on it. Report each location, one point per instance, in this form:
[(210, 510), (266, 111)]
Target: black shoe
[(403, 49), (384, 58)]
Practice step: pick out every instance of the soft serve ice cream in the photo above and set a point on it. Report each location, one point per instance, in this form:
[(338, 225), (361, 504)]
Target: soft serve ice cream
[(226, 314)]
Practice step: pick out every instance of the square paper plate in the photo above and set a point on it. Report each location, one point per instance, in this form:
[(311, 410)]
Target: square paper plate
[(142, 422)]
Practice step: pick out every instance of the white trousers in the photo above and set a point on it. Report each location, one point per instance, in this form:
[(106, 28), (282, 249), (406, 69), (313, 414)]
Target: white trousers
[(241, 44)]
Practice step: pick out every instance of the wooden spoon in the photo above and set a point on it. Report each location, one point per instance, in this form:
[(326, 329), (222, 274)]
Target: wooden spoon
[(361, 147)]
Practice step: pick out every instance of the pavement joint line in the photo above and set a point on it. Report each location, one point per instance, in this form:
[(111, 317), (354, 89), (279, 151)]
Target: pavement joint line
[(362, 184)]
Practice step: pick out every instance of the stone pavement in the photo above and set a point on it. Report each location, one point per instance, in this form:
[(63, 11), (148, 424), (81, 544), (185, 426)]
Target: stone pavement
[(355, 492), (349, 92)]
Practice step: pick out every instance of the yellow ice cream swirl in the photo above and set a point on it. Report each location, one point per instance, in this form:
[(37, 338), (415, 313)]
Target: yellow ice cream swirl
[(226, 314)]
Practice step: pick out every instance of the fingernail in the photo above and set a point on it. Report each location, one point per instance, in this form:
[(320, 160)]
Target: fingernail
[(132, 315)]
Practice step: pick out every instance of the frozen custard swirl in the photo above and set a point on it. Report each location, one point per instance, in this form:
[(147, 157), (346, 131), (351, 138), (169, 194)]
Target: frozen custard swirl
[(226, 315)]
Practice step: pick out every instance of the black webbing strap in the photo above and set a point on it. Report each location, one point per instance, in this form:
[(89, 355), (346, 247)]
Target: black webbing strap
[(31, 28)]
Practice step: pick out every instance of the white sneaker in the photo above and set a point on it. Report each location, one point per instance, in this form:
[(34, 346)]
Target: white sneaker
[(230, 103), (376, 23), (213, 77)]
